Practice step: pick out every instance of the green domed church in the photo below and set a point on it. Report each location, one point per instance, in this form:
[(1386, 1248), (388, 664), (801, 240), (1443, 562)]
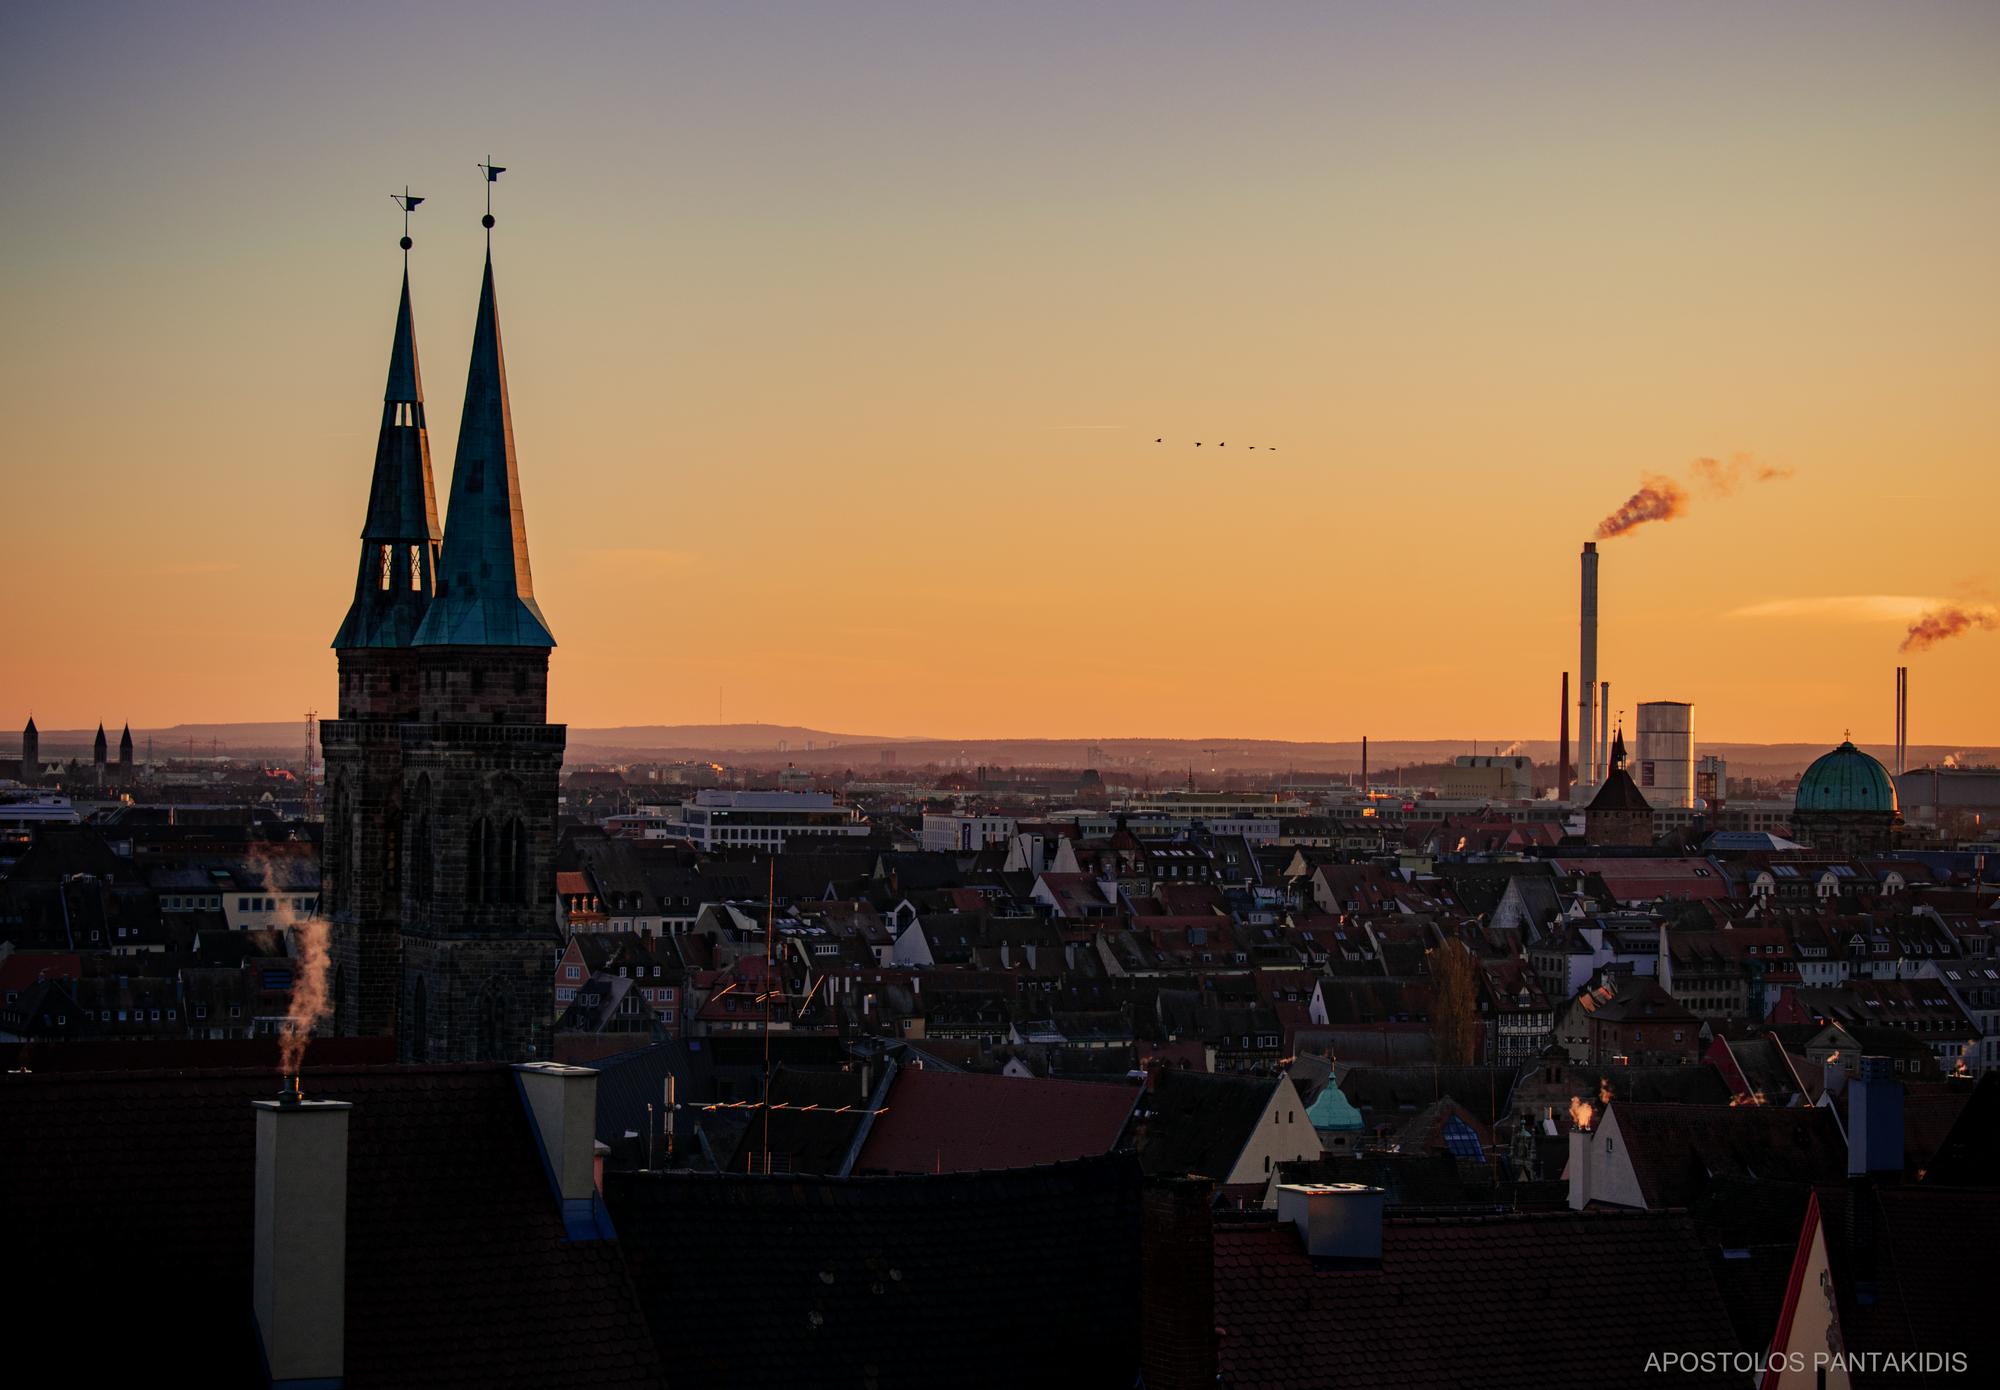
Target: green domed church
[(1846, 804)]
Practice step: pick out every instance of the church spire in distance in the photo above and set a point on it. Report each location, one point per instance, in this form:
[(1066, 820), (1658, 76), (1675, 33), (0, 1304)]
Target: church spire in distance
[(399, 538), (486, 591)]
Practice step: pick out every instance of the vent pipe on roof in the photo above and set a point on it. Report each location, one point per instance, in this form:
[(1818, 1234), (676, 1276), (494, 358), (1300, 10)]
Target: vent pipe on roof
[(1336, 1221), (299, 1268)]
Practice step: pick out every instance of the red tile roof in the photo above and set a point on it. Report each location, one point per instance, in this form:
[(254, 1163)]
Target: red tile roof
[(1493, 1301), (956, 1122)]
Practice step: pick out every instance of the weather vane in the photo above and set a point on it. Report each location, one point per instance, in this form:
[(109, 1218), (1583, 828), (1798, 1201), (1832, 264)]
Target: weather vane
[(408, 202), (493, 172)]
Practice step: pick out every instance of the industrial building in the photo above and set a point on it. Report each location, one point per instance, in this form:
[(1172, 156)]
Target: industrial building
[(1490, 778)]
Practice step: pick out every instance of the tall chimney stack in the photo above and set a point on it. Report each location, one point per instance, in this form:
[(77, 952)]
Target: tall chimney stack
[(299, 1269), (1562, 743), (1364, 764), (1902, 719), (1586, 670), (1604, 731)]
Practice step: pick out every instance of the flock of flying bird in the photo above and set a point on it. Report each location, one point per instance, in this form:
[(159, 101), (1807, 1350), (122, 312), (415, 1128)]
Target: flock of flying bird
[(1223, 444)]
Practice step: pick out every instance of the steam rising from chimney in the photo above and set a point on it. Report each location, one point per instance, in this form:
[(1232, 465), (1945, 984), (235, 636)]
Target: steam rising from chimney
[(1660, 498), (311, 1003), (1941, 624)]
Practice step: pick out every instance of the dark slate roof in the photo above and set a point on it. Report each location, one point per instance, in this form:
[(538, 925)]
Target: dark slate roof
[(135, 1191), (1200, 1123), (402, 504), (1492, 1301), (1385, 1093), (1928, 1253), (1025, 1277), (1619, 793), (1970, 1153), (486, 591), (1677, 1150), (952, 1122)]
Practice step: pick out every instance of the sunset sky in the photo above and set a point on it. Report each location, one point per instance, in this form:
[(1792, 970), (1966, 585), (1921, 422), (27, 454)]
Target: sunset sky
[(839, 336)]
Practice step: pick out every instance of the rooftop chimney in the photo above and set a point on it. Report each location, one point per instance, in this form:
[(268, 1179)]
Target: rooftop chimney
[(562, 1101), (299, 1271), (1337, 1221), (1874, 1119)]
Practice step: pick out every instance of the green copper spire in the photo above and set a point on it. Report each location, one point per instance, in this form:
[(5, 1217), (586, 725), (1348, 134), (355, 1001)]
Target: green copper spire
[(399, 537), (486, 592)]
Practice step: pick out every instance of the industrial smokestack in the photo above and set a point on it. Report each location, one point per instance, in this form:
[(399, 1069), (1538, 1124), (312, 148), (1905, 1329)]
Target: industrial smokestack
[(1604, 731), (1902, 719), (1364, 763), (1562, 743), (1586, 668)]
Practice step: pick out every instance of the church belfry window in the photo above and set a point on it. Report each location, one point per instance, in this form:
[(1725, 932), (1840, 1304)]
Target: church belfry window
[(388, 566), (416, 569)]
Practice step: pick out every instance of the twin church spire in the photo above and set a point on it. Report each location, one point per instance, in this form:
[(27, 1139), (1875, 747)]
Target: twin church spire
[(469, 584)]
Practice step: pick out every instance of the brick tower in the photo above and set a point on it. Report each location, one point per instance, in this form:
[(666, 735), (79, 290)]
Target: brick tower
[(481, 763), (379, 685)]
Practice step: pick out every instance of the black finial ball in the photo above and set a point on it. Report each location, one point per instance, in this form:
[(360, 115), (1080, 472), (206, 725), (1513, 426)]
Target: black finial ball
[(406, 243), (487, 221)]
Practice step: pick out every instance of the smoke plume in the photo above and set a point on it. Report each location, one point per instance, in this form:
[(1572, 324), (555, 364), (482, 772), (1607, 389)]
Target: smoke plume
[(1940, 624), (1658, 499), (306, 938), (1722, 479)]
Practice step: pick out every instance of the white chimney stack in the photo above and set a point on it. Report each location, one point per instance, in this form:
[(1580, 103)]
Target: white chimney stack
[(299, 1272), (1579, 1168), (1337, 1221), (563, 1102)]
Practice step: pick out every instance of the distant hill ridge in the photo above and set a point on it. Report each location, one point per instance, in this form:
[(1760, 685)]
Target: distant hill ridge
[(827, 750)]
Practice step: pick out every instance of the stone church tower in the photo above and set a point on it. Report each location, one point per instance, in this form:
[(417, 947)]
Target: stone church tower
[(442, 769)]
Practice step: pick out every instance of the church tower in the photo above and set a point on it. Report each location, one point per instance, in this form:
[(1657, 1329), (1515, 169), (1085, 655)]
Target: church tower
[(31, 753), (481, 765), (125, 752), (98, 751), (379, 696)]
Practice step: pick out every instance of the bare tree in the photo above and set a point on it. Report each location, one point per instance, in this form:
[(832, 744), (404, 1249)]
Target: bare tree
[(1454, 1003)]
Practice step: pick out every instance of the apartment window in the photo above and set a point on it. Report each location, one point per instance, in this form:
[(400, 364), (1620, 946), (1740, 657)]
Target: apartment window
[(242, 904), (201, 1011)]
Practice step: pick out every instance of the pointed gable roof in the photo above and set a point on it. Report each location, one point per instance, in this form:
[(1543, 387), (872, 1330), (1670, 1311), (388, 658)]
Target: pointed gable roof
[(486, 592), (402, 506)]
